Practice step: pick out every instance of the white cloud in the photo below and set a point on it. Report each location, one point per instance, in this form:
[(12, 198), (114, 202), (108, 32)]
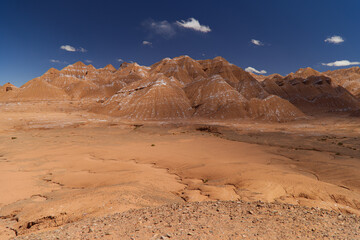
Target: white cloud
[(68, 48), (147, 43), (193, 24), (341, 63), (88, 61), (163, 28), (167, 29), (58, 61), (72, 49), (253, 70), (256, 42), (119, 60), (334, 39)]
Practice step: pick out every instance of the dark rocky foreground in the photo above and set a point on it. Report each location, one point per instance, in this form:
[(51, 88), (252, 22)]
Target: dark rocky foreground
[(213, 220)]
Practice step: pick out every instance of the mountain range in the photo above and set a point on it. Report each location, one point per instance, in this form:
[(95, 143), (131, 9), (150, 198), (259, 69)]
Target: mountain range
[(184, 88)]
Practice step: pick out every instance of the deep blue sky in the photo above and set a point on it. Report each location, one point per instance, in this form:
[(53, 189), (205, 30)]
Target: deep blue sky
[(292, 33)]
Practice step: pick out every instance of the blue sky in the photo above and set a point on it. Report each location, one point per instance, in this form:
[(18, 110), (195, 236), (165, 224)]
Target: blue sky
[(292, 33)]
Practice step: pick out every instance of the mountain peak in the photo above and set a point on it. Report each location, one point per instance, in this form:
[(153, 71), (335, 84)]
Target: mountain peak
[(307, 70), (8, 84), (126, 64), (110, 68), (183, 57), (91, 66), (52, 71), (79, 64), (7, 87), (220, 59), (304, 73)]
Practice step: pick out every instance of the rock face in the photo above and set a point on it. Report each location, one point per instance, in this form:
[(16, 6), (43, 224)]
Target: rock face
[(258, 77), (183, 68), (312, 94), (261, 78), (77, 82), (8, 87), (213, 97), (305, 73), (78, 70), (347, 78), (130, 72), (110, 68), (156, 98), (236, 77), (8, 91), (273, 108), (38, 89), (182, 87), (355, 113)]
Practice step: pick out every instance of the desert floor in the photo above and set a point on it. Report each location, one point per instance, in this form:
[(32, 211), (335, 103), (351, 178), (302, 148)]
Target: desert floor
[(59, 164)]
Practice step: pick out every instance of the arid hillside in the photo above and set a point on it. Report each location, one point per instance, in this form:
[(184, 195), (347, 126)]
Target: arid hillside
[(314, 92), (108, 91), (184, 88)]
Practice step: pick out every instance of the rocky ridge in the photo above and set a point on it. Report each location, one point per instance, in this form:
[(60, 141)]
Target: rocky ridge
[(184, 88), (311, 91)]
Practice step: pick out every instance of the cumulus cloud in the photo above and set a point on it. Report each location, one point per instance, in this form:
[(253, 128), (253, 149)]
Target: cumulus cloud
[(147, 43), (253, 70), (256, 42), (193, 24), (168, 29), (119, 60), (72, 49), (58, 61), (334, 39), (68, 48), (163, 28), (341, 63)]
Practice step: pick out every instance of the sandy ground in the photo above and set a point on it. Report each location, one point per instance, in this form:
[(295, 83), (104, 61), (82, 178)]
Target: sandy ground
[(59, 164)]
